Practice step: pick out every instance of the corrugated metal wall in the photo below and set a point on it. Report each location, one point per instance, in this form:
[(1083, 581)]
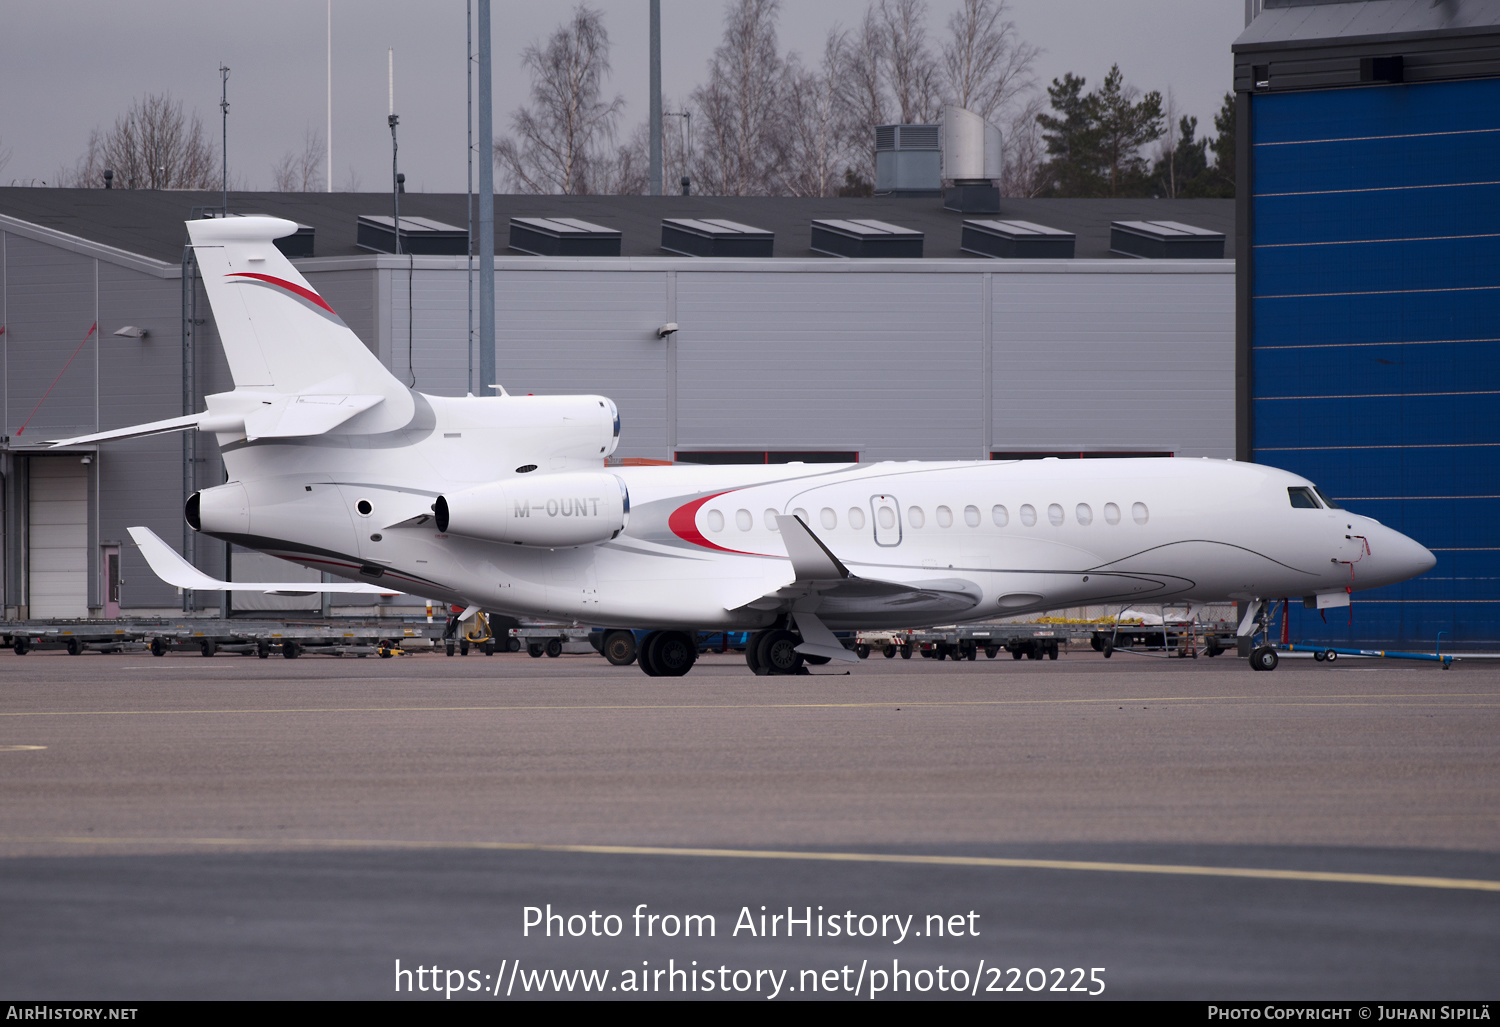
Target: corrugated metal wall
[(893, 360), (1376, 319)]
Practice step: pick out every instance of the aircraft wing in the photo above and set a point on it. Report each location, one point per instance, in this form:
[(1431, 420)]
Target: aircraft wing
[(822, 582), (174, 570)]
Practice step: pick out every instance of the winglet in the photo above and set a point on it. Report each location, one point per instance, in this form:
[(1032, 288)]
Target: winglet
[(817, 640), (174, 570), (811, 560)]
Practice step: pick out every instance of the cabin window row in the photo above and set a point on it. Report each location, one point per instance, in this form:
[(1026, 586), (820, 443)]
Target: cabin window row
[(916, 516)]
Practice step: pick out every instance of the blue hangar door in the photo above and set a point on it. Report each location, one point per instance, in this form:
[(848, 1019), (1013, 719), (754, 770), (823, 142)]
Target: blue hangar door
[(1376, 334)]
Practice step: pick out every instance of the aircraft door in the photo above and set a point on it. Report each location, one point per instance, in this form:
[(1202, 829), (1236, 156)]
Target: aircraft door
[(885, 512)]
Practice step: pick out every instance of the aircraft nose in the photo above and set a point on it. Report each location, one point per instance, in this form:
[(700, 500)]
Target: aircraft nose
[(1401, 557)]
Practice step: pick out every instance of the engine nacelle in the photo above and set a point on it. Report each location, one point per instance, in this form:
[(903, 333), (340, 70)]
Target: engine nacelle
[(550, 511), (221, 509)]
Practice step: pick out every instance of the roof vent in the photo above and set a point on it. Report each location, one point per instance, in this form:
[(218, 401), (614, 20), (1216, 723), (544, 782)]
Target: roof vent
[(1164, 240), (908, 161), (423, 237), (563, 237), (1016, 239), (714, 237), (864, 237)]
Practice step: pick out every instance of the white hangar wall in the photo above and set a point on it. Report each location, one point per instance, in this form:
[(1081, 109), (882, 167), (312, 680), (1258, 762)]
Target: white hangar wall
[(892, 359)]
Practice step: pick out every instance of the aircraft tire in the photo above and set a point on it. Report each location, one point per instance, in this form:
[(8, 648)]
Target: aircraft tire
[(779, 652), (645, 655), (818, 661), (674, 653), (1264, 658), (554, 648), (619, 648), (752, 654)]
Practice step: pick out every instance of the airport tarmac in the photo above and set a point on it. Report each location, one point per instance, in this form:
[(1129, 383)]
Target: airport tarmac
[(185, 827)]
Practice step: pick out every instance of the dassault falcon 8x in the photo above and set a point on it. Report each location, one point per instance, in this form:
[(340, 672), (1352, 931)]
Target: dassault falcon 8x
[(506, 504)]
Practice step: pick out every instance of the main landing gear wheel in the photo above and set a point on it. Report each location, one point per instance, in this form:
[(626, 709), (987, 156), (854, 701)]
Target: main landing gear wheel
[(673, 653), (778, 652), (643, 655), (752, 653), (1264, 658), (619, 648)]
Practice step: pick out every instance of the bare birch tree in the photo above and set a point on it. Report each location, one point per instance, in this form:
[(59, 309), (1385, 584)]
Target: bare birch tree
[(300, 171), (987, 66), (1025, 153), (912, 69), (569, 124), (151, 146), (814, 147), (863, 95), (740, 104)]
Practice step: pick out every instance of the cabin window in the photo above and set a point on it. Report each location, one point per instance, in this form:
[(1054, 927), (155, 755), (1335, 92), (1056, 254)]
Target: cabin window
[(802, 514), (829, 518), (971, 516), (715, 520), (771, 519), (944, 517), (1028, 514), (1084, 513), (1140, 513), (1000, 516), (743, 520), (856, 518), (1111, 513), (887, 517), (1302, 498), (1055, 514), (915, 517)]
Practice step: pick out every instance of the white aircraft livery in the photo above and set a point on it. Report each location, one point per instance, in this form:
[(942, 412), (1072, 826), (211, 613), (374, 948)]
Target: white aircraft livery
[(506, 504)]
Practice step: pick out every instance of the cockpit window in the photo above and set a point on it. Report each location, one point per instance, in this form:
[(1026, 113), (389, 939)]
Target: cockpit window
[(1326, 501), (1302, 498)]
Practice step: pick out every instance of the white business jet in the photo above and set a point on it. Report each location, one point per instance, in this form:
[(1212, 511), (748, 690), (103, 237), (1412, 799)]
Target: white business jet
[(505, 504)]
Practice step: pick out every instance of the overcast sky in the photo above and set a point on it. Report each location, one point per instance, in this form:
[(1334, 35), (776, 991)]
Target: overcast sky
[(68, 67)]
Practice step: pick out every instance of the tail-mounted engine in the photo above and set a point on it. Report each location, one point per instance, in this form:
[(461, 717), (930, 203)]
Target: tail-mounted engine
[(551, 511)]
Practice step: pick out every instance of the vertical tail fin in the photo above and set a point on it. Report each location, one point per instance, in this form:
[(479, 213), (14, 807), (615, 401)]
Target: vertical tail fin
[(278, 333)]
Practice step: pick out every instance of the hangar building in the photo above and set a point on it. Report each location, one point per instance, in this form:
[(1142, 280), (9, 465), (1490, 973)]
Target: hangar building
[(935, 352), (1368, 328)]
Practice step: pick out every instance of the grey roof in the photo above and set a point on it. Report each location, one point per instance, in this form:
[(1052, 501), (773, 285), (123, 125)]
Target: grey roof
[(1365, 21), (149, 222)]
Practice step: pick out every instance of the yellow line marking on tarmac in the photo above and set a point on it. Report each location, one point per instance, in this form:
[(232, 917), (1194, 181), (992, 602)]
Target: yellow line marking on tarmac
[(988, 862), (1380, 700)]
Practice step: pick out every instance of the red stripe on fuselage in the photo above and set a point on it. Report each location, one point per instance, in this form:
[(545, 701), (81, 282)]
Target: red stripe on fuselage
[(306, 294), (683, 522)]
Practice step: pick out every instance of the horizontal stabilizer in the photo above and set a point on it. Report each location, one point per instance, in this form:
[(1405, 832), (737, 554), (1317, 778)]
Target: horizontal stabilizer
[(174, 570), (293, 416), (138, 431)]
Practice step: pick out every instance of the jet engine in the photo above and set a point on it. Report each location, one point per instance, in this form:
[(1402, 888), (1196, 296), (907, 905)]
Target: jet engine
[(550, 511), (223, 508)]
